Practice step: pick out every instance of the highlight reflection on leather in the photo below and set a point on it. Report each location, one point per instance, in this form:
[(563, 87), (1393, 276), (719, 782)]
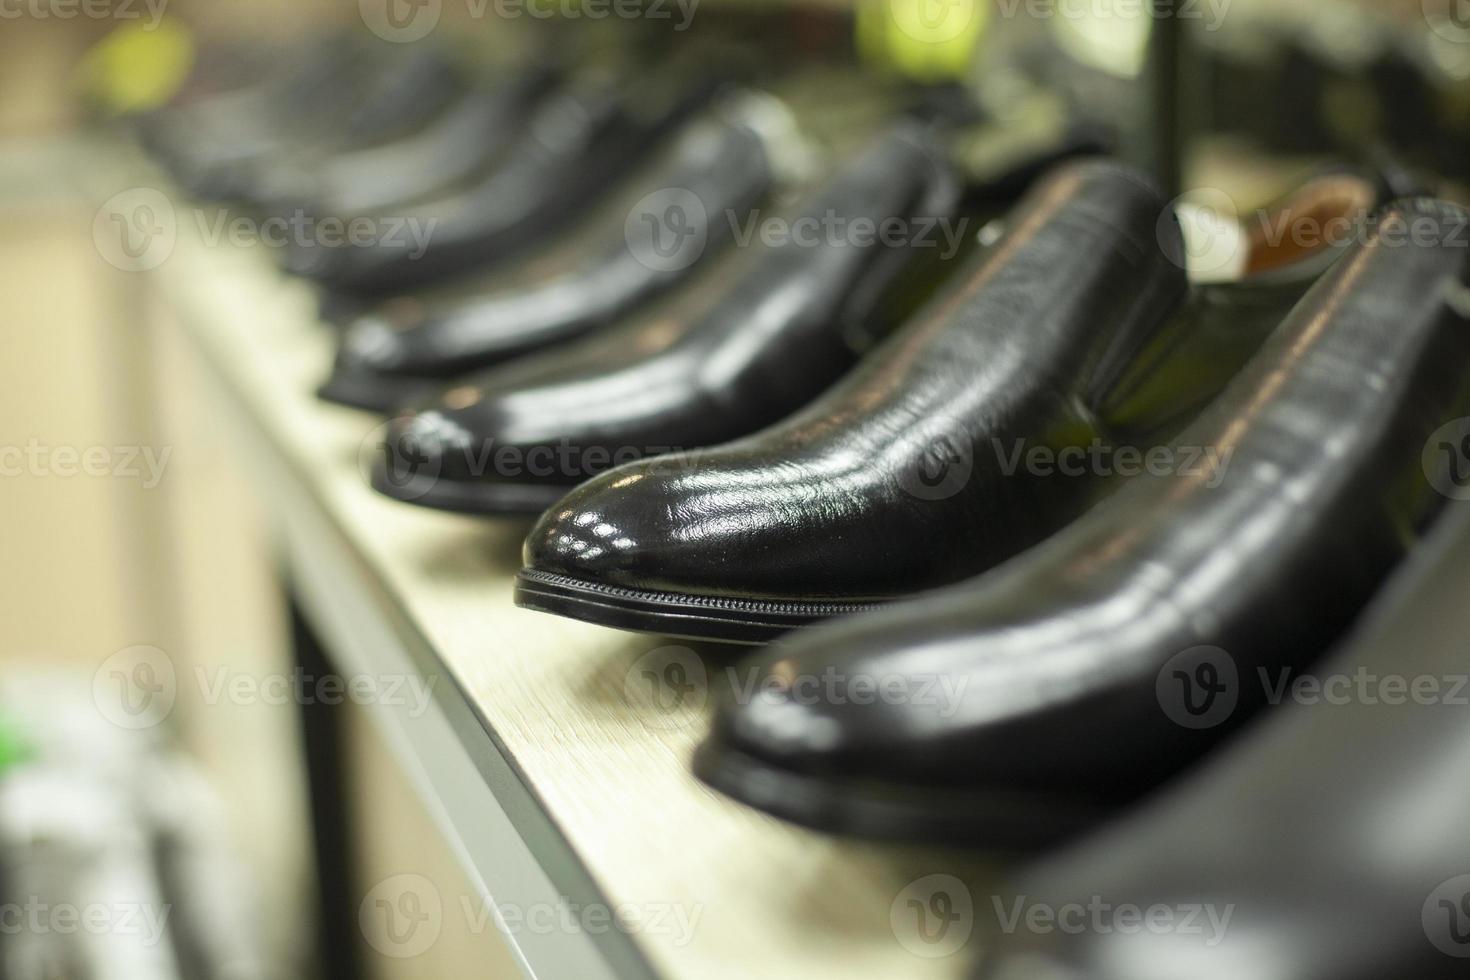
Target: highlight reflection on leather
[(722, 162), (843, 500), (777, 337), (1333, 836), (1091, 664), (576, 144)]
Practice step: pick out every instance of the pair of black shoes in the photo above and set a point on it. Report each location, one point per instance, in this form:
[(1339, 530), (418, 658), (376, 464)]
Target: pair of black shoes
[(969, 436), (1103, 661)]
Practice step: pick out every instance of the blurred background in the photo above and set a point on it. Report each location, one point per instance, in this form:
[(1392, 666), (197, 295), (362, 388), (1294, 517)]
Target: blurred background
[(136, 550)]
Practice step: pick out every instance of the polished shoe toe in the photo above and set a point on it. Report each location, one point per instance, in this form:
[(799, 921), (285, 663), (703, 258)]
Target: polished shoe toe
[(449, 454), (368, 370), (660, 559), (607, 536), (422, 454)]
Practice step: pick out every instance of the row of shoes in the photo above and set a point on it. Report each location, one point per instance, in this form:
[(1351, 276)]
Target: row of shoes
[(1039, 518)]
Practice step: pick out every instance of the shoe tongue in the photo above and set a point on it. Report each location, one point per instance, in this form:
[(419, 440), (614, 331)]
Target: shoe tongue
[(1216, 248)]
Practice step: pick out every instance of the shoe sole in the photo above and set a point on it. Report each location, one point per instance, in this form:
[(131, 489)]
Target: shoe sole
[(1002, 820), (464, 497), (682, 615), (378, 393)]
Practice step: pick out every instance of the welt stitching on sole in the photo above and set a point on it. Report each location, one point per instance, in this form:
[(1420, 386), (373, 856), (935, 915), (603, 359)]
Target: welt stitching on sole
[(713, 602)]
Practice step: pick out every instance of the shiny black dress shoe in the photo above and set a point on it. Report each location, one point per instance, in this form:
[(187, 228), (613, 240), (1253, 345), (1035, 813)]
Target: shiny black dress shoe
[(719, 170), (181, 136), (780, 332), (1329, 844), (463, 139), (887, 485), (577, 144), (364, 96), (1097, 665)]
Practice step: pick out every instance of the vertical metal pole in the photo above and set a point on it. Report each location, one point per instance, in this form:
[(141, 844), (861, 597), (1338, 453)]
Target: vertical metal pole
[(321, 729), (1164, 95)]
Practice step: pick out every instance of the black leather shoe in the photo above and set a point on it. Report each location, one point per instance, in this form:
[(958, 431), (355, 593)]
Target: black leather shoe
[(363, 96), (577, 144), (1097, 665), (463, 139), (1330, 843), (780, 333), (245, 120), (719, 170), (870, 494)]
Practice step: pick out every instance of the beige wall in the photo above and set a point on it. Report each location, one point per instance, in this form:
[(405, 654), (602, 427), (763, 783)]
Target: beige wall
[(94, 564)]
